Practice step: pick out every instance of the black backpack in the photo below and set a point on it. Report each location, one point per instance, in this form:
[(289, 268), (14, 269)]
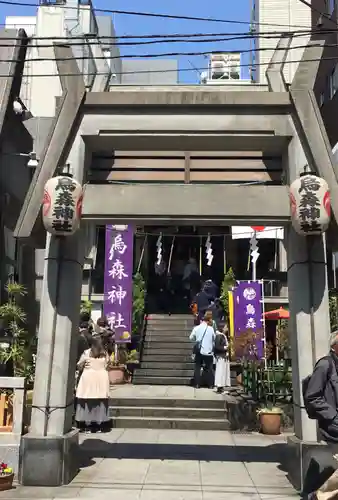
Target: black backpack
[(305, 384)]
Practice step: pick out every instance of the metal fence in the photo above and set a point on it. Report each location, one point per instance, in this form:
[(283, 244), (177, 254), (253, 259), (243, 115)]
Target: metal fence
[(272, 384)]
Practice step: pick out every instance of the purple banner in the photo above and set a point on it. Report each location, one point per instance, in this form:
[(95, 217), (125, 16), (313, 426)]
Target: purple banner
[(118, 280), (248, 320)]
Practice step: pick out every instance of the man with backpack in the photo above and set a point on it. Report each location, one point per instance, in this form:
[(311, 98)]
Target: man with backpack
[(320, 395)]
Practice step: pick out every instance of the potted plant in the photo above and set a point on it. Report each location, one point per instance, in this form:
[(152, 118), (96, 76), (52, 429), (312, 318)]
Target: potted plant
[(270, 419), (133, 359), (6, 477)]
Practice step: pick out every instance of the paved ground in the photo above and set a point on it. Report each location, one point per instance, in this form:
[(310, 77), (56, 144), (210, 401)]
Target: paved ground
[(144, 464), (136, 464)]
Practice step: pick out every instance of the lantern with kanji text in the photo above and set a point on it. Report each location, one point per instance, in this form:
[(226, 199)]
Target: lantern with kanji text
[(310, 205), (62, 205)]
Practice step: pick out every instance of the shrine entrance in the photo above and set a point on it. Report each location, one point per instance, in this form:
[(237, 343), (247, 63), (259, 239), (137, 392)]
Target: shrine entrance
[(176, 156), (173, 282)]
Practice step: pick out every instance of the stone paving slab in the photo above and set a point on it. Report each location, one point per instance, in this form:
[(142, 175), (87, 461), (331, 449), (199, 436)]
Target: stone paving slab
[(174, 465)]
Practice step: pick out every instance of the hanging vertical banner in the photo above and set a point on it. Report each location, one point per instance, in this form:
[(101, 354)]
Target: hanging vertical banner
[(248, 320), (231, 323), (118, 280)]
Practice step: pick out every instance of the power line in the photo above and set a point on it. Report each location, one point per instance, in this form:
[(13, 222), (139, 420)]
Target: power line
[(98, 38), (155, 14), (176, 70), (86, 42), (166, 54)]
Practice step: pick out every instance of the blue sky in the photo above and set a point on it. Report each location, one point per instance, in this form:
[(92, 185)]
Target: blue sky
[(134, 25)]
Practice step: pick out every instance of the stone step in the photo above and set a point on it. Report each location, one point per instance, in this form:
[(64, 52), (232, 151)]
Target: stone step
[(173, 338), (150, 357), (143, 380), (181, 317), (168, 423), (165, 412), (167, 365), (170, 347), (218, 403), (169, 327), (169, 331), (160, 372)]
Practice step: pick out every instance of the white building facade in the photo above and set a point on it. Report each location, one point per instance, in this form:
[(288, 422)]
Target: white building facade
[(272, 18)]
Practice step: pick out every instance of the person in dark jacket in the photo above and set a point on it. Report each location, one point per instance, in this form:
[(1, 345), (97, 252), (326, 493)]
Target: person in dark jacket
[(203, 302), (106, 334), (322, 399), (210, 289)]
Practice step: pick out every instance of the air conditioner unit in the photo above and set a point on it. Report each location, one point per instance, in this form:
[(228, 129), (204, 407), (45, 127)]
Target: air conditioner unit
[(219, 67), (225, 66)]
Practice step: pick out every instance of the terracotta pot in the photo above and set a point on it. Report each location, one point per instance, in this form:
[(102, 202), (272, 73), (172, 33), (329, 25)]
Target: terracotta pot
[(239, 379), (6, 482), (117, 375), (270, 423)]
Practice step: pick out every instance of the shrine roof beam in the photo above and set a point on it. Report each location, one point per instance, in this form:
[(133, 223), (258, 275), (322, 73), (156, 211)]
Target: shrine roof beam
[(187, 202)]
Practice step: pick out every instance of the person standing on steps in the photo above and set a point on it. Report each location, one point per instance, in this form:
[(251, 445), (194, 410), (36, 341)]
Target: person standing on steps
[(203, 335), (222, 374), (92, 393)]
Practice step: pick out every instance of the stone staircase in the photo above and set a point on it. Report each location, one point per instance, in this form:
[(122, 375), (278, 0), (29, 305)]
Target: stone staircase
[(169, 413), (166, 357)]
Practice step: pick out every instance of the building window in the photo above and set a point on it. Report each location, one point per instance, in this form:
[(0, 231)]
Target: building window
[(321, 99)]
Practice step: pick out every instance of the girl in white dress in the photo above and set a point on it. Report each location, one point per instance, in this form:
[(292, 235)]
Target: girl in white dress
[(222, 375), (92, 392)]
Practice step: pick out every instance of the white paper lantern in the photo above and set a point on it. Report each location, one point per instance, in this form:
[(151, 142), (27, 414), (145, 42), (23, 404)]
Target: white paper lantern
[(62, 205), (310, 205)]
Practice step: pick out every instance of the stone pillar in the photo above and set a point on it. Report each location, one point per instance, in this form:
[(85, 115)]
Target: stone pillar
[(309, 321), (48, 452), (309, 329)]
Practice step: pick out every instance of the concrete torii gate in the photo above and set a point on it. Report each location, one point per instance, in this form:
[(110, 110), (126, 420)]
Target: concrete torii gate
[(284, 121)]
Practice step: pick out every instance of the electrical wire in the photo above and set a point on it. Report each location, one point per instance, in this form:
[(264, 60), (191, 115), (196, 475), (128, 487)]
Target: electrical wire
[(165, 37), (176, 70), (86, 42), (153, 14), (168, 54)]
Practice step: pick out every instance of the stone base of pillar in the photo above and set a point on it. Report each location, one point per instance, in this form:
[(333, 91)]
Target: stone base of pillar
[(309, 464), (49, 460)]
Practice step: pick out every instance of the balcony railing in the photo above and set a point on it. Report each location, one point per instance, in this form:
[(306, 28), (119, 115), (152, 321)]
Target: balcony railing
[(273, 288)]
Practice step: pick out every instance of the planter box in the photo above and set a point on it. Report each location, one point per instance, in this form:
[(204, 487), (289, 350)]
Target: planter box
[(6, 482)]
